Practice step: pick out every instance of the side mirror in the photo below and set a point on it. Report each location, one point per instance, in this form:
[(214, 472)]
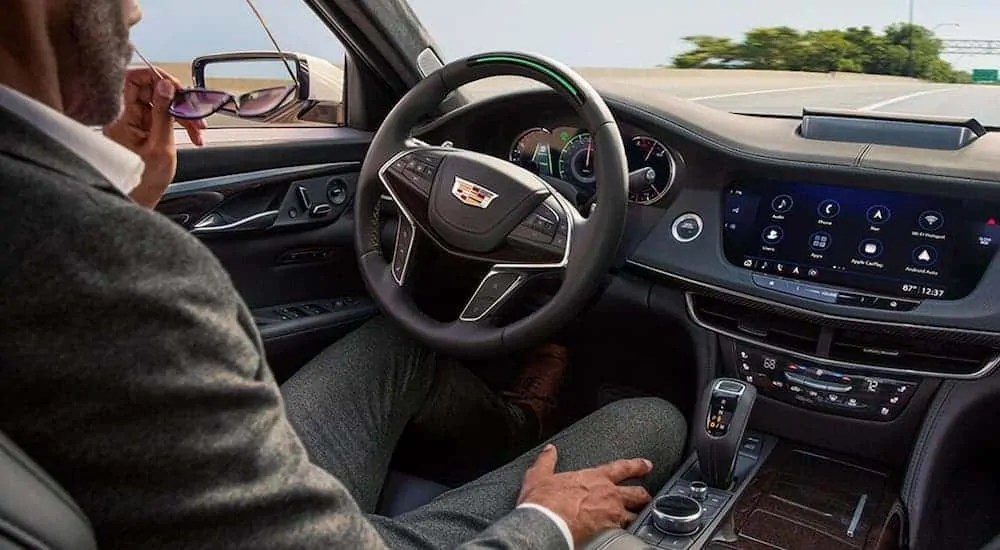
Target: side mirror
[(267, 92)]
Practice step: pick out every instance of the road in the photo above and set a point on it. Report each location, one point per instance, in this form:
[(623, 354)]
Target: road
[(788, 93), (778, 92)]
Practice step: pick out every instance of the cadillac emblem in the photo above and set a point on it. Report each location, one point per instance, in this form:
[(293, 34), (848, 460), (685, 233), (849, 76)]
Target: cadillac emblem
[(471, 193)]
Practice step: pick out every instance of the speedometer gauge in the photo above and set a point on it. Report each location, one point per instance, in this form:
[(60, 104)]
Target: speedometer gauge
[(644, 151), (576, 163), (533, 150)]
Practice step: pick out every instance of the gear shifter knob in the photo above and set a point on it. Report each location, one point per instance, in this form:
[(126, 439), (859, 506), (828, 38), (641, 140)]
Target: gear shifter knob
[(724, 411)]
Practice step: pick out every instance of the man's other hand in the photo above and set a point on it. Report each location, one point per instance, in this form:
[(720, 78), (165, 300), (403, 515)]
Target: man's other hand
[(146, 127), (589, 500)]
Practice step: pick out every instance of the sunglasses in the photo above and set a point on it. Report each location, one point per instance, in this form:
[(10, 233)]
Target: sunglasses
[(198, 103)]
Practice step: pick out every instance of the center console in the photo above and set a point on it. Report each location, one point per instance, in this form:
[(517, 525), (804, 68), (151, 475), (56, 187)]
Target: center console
[(753, 491)]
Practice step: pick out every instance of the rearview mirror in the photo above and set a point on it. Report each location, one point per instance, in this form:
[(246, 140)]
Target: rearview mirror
[(266, 89)]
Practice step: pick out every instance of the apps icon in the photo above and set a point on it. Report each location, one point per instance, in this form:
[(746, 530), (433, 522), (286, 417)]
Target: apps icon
[(782, 204), (930, 220), (870, 248), (828, 209), (878, 214), (772, 234), (820, 241), (925, 255)]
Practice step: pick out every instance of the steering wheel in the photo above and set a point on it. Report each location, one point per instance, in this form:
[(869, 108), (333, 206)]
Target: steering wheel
[(482, 208)]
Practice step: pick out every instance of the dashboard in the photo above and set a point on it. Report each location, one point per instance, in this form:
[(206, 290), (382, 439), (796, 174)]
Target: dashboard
[(843, 254)]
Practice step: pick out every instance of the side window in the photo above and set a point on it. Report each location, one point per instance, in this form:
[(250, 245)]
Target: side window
[(242, 59)]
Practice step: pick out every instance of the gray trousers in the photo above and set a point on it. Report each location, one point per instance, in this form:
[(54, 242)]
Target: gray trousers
[(351, 404)]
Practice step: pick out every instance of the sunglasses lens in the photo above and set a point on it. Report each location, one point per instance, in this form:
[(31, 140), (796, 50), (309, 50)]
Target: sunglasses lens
[(260, 102), (194, 104)]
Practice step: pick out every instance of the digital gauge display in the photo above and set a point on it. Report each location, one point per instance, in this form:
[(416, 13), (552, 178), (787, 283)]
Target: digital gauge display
[(533, 150), (576, 163)]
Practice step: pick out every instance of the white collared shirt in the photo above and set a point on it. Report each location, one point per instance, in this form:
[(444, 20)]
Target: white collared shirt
[(118, 165)]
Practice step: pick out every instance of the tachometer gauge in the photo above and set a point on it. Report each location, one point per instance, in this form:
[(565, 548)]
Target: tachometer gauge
[(533, 150), (644, 151), (576, 163)]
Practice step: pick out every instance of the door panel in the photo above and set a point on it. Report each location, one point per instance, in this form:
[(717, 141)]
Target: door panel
[(279, 219)]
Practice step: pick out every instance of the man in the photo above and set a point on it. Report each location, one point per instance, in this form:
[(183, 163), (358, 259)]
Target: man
[(134, 375)]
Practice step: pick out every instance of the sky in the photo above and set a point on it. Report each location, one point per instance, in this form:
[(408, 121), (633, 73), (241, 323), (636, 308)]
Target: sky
[(580, 33)]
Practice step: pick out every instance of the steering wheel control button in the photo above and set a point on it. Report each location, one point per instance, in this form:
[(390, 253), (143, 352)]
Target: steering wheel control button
[(878, 214), (930, 220), (544, 219), (687, 227), (678, 515), (401, 253), (492, 290), (925, 255), (562, 234), (526, 232), (828, 209), (417, 169), (782, 204), (772, 235)]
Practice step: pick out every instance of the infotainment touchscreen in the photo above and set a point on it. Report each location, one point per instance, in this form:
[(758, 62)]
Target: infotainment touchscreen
[(887, 242)]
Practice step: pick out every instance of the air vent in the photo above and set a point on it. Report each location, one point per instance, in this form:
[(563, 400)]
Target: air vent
[(761, 326), (905, 352)]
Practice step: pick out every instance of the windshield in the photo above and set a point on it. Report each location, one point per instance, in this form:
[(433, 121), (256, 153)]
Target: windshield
[(761, 57)]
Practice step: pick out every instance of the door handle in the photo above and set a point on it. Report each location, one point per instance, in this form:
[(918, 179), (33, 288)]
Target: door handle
[(214, 223)]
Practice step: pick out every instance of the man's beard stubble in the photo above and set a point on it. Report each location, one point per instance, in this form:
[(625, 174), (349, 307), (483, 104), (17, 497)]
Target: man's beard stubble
[(93, 71)]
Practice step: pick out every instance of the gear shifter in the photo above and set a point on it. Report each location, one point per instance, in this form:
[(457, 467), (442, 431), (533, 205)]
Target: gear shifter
[(724, 410)]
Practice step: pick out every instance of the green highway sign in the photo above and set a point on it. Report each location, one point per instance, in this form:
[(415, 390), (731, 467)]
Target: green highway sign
[(984, 75)]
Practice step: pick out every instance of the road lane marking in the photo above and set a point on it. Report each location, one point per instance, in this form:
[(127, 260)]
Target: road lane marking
[(886, 103), (770, 91)]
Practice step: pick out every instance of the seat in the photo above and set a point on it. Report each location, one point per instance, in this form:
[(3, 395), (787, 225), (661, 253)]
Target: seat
[(35, 512), (403, 492)]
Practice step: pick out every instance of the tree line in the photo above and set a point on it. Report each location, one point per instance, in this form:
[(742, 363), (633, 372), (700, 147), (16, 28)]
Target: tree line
[(901, 49)]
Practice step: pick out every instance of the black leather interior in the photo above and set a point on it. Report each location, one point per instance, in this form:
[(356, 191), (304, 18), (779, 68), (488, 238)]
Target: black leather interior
[(35, 512), (955, 427)]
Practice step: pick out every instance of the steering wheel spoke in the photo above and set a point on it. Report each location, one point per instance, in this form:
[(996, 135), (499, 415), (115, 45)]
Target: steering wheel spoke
[(497, 288), (403, 249), (409, 175), (543, 237)]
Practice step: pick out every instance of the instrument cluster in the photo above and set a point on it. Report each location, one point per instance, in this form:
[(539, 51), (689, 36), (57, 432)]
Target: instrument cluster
[(567, 153)]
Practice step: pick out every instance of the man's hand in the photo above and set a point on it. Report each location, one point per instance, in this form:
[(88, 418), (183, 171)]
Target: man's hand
[(589, 500), (146, 128)]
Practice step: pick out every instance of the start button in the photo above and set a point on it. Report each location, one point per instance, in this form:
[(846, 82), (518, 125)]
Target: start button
[(687, 227)]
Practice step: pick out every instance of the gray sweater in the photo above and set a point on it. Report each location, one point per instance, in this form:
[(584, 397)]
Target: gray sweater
[(133, 373)]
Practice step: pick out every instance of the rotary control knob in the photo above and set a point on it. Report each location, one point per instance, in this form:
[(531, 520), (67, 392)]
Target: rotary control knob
[(698, 490), (678, 515)]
